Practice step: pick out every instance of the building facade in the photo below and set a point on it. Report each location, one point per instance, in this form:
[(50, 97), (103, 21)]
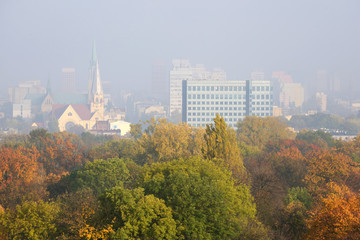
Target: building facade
[(233, 100)]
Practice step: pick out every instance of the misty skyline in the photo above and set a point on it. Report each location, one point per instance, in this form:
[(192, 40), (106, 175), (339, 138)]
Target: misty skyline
[(40, 37)]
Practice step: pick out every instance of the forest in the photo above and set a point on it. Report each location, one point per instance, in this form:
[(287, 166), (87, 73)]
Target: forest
[(173, 181)]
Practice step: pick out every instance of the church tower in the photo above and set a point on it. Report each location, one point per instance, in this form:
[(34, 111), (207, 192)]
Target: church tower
[(96, 95)]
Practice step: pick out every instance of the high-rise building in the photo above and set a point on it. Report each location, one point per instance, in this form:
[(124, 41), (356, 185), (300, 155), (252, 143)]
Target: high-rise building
[(321, 101), (181, 71), (291, 95), (68, 80), (233, 100)]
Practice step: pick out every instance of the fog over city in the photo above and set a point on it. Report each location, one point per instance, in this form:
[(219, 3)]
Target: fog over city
[(40, 37)]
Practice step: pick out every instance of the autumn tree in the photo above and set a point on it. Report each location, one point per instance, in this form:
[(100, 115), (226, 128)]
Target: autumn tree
[(97, 176), (204, 199), (337, 216), (319, 138), (30, 220), (164, 141), (324, 167), (20, 175), (124, 148), (59, 153), (220, 147), (257, 131), (134, 215)]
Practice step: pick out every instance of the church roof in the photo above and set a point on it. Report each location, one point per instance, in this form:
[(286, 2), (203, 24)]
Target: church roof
[(82, 110)]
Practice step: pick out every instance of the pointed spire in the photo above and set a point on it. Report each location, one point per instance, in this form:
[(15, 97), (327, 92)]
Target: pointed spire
[(94, 58)]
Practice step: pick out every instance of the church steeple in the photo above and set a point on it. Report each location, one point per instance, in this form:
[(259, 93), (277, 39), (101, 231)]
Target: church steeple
[(94, 75), (96, 96)]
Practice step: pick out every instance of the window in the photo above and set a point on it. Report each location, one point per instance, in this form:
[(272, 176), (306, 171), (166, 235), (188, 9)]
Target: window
[(69, 114)]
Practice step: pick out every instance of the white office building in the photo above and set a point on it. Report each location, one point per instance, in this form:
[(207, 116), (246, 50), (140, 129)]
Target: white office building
[(233, 100)]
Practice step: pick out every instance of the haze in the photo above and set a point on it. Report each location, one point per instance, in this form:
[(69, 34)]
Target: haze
[(40, 37)]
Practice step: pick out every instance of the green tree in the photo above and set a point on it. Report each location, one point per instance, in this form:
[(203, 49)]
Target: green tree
[(204, 199), (220, 147), (319, 138), (134, 215), (97, 176), (257, 131), (30, 220), (124, 148)]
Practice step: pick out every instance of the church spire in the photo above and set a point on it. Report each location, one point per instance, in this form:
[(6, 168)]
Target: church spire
[(94, 75), (93, 58)]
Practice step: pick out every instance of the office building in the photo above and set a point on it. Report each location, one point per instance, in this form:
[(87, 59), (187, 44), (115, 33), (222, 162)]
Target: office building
[(233, 100), (182, 70)]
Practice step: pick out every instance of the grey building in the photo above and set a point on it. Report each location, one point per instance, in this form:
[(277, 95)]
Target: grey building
[(233, 100)]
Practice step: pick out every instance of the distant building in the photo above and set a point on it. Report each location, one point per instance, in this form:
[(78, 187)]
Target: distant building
[(233, 100), (291, 95), (182, 70), (122, 125), (321, 100), (22, 109), (68, 80)]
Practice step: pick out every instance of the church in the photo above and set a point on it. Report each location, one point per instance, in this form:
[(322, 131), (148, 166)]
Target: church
[(84, 109)]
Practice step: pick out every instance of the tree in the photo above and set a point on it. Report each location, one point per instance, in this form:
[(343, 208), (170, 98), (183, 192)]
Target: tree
[(124, 148), (337, 216), (97, 176), (164, 141), (30, 220), (257, 131), (20, 175), (134, 215), (319, 138), (220, 146), (204, 199), (324, 167)]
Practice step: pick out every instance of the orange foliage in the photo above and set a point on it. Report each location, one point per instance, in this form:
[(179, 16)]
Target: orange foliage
[(324, 167), (59, 155), (19, 174), (337, 217)]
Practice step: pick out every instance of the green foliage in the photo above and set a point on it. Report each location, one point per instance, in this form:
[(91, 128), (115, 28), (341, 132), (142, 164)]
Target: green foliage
[(97, 176), (134, 215), (319, 138), (220, 147), (257, 131), (203, 197), (298, 194), (31, 220), (124, 148)]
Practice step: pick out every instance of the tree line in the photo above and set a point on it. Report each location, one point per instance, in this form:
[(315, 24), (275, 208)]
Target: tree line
[(174, 181)]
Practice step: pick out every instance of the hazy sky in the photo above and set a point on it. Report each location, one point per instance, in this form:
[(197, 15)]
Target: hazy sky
[(39, 37)]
